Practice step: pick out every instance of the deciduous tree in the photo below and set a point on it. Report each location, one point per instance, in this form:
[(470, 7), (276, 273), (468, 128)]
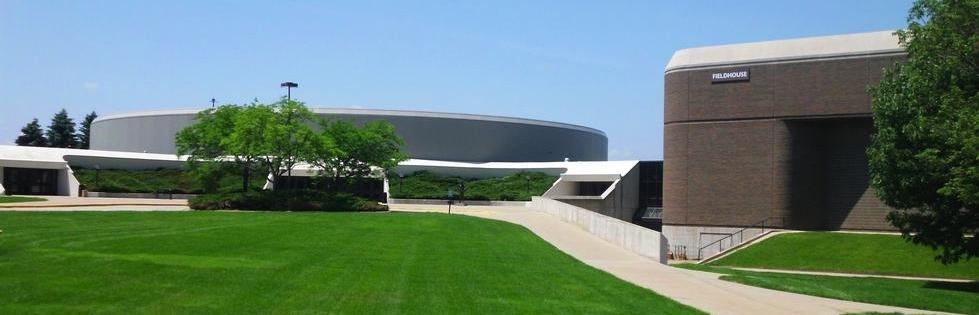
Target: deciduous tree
[(280, 135), (276, 138), (206, 141), (924, 156), (357, 151)]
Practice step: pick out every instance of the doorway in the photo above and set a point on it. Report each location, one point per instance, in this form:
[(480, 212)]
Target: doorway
[(30, 181)]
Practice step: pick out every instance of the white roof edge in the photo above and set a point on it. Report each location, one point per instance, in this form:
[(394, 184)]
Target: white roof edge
[(880, 42), (57, 155), (45, 154), (160, 112), (572, 167), (378, 112)]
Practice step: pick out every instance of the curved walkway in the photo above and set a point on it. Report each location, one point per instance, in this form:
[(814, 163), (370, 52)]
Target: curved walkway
[(64, 203), (843, 274), (702, 290)]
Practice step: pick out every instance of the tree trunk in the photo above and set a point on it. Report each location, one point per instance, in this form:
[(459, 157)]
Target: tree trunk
[(336, 182), (244, 179), (275, 182)]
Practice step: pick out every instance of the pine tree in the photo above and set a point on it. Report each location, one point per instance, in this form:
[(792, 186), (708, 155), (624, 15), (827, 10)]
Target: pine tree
[(85, 132), (61, 132), (32, 135)]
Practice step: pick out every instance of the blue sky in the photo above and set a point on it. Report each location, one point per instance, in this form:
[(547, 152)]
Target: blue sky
[(593, 63)]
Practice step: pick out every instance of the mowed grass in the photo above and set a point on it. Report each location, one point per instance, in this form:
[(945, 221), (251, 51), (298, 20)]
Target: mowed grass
[(953, 297), (849, 253), (267, 262), (11, 199)]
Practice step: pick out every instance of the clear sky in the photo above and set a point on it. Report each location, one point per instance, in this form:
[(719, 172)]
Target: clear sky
[(593, 63)]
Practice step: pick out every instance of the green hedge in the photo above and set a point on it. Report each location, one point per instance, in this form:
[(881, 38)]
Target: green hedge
[(159, 180), (427, 185), (289, 200)]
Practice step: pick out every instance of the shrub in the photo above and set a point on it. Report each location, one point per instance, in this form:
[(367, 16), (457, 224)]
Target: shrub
[(290, 200)]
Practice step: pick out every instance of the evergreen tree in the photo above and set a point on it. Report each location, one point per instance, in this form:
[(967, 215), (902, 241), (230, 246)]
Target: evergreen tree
[(85, 132), (32, 135), (61, 132)]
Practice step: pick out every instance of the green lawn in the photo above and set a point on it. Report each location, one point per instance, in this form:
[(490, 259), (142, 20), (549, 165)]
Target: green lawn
[(278, 262), (848, 252), (927, 295), (9, 199)]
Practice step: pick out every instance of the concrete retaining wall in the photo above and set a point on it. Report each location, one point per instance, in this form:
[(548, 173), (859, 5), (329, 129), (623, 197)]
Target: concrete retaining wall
[(645, 242), (137, 195), (394, 201), (692, 237)]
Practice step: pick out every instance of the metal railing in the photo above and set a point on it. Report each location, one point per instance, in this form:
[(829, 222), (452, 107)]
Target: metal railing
[(764, 224)]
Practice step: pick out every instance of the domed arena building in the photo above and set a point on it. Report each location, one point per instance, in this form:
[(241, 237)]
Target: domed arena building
[(427, 135)]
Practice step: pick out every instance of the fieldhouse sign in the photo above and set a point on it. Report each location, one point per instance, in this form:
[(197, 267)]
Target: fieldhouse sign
[(730, 76)]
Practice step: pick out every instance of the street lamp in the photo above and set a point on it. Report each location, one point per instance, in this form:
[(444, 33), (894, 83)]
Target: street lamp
[(289, 86), (98, 169), (527, 177), (449, 193)]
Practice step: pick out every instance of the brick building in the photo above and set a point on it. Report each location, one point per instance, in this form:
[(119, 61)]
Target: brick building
[(772, 132)]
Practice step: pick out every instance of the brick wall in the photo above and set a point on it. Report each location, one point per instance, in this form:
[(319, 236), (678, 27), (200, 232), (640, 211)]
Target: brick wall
[(788, 143)]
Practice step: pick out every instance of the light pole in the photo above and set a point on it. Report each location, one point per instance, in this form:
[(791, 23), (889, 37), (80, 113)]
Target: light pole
[(528, 184), (289, 85), (449, 193), (98, 169)]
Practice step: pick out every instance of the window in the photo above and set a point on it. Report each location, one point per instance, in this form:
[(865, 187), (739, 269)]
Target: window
[(592, 188)]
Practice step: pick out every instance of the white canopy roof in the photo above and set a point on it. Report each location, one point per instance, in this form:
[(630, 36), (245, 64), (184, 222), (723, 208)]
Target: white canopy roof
[(809, 47)]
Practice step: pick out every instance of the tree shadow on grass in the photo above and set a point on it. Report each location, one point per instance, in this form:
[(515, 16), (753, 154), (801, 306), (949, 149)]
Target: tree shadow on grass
[(954, 286)]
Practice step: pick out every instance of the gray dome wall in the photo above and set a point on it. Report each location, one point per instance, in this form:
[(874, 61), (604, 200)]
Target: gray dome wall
[(430, 136)]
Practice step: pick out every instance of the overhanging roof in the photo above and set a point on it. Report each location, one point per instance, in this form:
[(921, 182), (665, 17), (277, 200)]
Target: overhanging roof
[(882, 42)]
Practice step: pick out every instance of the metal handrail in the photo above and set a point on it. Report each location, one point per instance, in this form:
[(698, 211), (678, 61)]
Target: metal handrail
[(740, 232)]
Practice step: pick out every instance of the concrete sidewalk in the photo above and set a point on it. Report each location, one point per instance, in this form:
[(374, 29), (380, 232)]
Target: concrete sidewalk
[(698, 289), (854, 275), (63, 203)]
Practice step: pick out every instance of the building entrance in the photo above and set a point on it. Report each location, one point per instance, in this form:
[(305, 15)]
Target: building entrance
[(30, 181)]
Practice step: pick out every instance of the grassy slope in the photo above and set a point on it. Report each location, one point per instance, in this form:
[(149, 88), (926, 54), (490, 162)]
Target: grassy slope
[(221, 262), (927, 295), (149, 181), (427, 185), (512, 187), (847, 252), (9, 199)]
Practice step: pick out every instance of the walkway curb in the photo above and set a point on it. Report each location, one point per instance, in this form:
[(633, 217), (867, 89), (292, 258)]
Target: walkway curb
[(48, 206), (851, 275)]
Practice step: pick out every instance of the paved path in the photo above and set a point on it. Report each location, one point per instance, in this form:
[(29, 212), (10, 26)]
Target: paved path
[(63, 203), (695, 288), (842, 274)]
